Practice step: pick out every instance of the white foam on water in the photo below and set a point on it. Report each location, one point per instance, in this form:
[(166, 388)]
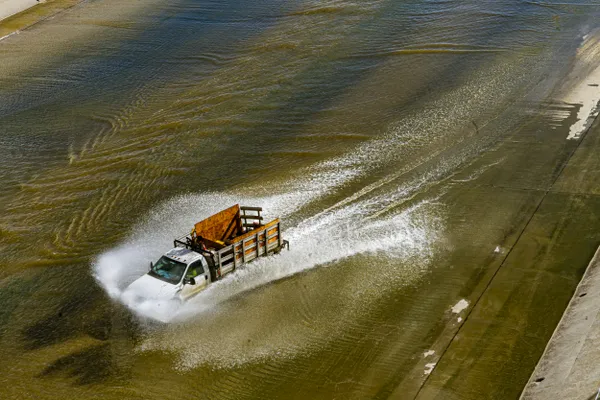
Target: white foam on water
[(587, 96), (460, 306), (428, 353), (115, 269), (429, 368), (318, 240), (273, 323)]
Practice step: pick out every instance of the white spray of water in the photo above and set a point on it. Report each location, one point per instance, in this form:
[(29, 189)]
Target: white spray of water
[(116, 269), (322, 239), (333, 237), (357, 224), (302, 315), (267, 324)]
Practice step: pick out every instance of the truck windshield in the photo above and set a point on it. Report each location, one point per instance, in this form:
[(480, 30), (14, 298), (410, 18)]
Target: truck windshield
[(168, 270)]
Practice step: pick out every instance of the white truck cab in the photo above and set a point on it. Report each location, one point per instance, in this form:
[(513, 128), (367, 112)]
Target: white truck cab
[(178, 275)]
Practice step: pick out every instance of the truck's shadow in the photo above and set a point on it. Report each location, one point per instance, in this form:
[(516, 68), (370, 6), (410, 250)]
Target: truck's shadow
[(92, 365), (106, 332), (74, 317)]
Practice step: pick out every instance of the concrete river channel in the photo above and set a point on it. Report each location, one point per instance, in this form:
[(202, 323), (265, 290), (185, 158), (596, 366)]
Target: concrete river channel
[(435, 165)]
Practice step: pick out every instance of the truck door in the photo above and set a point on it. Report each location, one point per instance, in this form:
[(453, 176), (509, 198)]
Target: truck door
[(199, 273)]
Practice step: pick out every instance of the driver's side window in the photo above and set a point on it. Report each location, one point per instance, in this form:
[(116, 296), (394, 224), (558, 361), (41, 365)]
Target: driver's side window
[(195, 270)]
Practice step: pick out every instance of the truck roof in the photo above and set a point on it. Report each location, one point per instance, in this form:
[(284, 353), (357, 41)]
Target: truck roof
[(183, 255)]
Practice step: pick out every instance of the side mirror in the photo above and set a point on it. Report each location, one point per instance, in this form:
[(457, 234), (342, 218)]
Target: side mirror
[(189, 281), (151, 265)]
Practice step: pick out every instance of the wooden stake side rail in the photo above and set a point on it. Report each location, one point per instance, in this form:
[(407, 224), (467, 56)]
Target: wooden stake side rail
[(256, 243), (250, 220)]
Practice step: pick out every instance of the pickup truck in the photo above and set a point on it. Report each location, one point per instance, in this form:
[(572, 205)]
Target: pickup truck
[(216, 247)]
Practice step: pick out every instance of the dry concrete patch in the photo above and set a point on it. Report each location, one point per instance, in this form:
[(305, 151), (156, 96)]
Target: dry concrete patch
[(12, 7), (19, 15)]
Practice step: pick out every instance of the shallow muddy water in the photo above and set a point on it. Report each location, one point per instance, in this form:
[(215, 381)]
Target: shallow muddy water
[(436, 188)]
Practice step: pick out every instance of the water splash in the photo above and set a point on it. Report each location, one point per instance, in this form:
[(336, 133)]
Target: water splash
[(335, 236), (297, 316), (318, 240)]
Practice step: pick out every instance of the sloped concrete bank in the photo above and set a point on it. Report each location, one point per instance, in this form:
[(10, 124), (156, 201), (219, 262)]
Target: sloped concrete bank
[(16, 15), (570, 365), (12, 7)]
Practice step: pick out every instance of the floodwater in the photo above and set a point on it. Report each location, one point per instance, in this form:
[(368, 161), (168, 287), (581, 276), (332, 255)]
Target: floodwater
[(439, 194)]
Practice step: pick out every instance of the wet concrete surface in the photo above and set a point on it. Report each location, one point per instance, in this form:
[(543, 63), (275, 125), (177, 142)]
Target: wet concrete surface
[(569, 367), (517, 306)]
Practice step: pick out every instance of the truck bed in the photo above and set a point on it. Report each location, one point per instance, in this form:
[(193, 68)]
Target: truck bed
[(257, 242), (234, 237)]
